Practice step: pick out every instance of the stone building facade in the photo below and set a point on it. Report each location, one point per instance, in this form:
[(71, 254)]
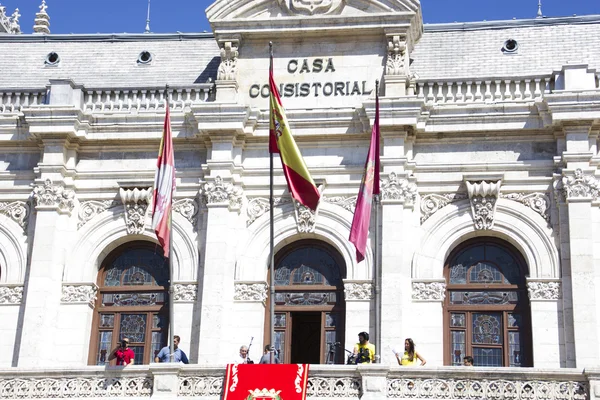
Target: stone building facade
[(489, 212)]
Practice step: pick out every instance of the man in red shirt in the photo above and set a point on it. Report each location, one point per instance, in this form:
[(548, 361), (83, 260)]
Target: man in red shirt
[(123, 353)]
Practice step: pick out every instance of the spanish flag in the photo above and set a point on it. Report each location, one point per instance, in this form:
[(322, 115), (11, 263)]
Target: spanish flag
[(300, 183)]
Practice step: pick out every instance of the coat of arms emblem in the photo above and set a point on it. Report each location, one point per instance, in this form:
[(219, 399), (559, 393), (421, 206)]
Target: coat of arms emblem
[(313, 7)]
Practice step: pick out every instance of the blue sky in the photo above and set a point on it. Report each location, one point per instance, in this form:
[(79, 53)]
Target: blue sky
[(116, 16)]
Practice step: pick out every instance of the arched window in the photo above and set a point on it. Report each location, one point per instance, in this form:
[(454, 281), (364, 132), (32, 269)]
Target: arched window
[(132, 302), (309, 303), (487, 313)]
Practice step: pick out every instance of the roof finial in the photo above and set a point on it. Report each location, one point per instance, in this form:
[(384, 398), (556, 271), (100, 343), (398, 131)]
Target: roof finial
[(148, 19), (14, 22), (539, 13), (42, 20)]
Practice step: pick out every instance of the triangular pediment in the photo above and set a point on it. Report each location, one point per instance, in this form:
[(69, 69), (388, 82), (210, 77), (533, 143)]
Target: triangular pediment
[(228, 10)]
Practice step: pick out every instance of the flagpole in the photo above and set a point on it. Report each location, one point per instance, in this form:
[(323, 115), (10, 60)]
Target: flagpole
[(171, 277), (272, 231), (376, 257)]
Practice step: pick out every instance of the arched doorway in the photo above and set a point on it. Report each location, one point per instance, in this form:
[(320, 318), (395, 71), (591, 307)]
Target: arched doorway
[(132, 302), (309, 304), (487, 313)]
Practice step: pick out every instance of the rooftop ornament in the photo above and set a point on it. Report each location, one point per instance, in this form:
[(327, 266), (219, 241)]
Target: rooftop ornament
[(539, 12), (42, 20), (9, 24)]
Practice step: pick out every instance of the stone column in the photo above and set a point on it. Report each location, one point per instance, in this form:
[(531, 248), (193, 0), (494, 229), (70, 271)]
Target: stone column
[(248, 312), (398, 197), (223, 201), (43, 289), (544, 295), (581, 189)]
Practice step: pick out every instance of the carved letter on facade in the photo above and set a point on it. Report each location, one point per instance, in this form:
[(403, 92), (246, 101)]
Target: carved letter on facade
[(581, 185), (219, 192), (484, 196), (398, 189), (49, 196), (79, 293), (544, 290), (18, 211), (250, 291), (136, 202), (185, 292), (11, 294), (429, 291), (229, 57), (358, 291)]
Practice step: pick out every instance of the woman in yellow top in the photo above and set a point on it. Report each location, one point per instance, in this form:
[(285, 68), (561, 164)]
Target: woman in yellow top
[(410, 356)]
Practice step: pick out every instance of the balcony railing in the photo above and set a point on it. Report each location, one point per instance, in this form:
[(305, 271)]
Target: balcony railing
[(484, 90), (325, 382), (12, 101)]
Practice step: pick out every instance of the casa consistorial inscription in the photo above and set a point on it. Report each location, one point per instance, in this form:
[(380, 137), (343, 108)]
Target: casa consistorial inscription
[(326, 84)]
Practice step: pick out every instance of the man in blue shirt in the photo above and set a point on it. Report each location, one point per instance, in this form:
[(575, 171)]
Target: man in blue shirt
[(165, 356)]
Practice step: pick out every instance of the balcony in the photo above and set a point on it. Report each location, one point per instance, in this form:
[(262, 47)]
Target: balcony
[(325, 382)]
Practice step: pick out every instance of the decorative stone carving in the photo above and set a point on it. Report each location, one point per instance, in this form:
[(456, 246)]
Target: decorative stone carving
[(358, 291), (305, 218), (396, 55), (185, 292), (543, 290), (56, 197), (136, 202), (483, 388), (69, 387), (188, 208), (18, 211), (229, 57), (334, 387), (483, 196), (79, 293), (312, 7), (398, 189), (581, 185), (432, 203), (11, 294), (258, 206), (89, 209), (250, 291), (200, 386), (538, 202), (219, 192), (42, 20), (347, 203), (10, 24), (429, 291)]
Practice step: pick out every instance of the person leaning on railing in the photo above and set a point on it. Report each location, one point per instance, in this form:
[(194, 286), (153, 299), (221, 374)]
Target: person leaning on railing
[(123, 353), (410, 356)]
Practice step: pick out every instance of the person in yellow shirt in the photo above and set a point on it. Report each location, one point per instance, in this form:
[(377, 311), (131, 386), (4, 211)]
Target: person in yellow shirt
[(363, 350), (410, 356)]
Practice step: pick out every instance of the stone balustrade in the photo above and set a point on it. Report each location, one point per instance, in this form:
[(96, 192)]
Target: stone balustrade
[(325, 382), (12, 101), (490, 90), (111, 100)]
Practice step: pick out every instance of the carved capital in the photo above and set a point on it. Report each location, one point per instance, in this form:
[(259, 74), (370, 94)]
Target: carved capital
[(358, 290), (79, 293), (543, 290), (11, 294), (483, 196), (48, 196), (250, 291), (18, 211), (306, 218), (398, 189), (580, 185), (188, 208), (538, 202), (185, 292), (223, 193), (90, 209), (229, 56), (396, 56), (136, 202), (432, 203), (428, 290)]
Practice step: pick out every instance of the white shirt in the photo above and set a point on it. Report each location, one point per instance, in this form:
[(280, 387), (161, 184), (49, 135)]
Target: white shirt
[(240, 360)]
